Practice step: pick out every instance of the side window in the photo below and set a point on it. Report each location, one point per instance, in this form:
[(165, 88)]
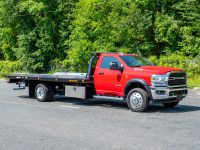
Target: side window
[(107, 60)]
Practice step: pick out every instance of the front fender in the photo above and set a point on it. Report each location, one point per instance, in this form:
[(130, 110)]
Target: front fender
[(137, 81)]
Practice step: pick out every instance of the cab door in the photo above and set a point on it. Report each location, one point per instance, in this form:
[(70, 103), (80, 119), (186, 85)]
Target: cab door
[(108, 82)]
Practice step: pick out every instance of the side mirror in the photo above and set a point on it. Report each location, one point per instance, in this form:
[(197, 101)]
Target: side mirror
[(114, 66)]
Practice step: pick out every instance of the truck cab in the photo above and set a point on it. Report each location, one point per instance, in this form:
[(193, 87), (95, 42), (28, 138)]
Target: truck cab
[(132, 77), (128, 77)]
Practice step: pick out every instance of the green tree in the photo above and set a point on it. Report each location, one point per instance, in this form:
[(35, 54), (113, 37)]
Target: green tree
[(39, 33), (8, 29), (101, 25), (188, 16), (34, 31)]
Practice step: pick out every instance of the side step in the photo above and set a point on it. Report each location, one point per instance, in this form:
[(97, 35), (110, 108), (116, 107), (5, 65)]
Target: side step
[(108, 97)]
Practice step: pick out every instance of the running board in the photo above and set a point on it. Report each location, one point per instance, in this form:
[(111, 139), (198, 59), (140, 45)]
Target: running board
[(108, 97)]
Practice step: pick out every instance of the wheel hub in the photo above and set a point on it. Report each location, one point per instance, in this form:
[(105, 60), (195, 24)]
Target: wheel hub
[(136, 100), (40, 93)]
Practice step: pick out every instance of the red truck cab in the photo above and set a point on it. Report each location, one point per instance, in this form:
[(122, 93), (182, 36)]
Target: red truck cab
[(111, 75), (131, 76)]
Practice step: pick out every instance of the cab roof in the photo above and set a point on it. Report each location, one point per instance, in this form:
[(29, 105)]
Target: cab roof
[(114, 53)]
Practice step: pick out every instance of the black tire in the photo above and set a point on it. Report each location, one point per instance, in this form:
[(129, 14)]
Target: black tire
[(171, 104), (141, 101), (47, 92)]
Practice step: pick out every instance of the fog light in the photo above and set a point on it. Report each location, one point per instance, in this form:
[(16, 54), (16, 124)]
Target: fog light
[(160, 92)]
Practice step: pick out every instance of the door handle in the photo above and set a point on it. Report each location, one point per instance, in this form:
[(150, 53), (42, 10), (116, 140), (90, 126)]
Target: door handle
[(101, 73)]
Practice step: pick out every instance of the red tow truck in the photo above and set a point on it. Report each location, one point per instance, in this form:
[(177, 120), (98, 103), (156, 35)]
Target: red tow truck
[(121, 76)]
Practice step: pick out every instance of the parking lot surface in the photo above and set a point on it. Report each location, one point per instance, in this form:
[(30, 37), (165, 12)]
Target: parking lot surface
[(74, 124)]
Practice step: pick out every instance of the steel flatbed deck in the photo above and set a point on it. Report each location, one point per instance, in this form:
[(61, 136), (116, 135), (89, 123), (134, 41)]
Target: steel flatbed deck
[(64, 78)]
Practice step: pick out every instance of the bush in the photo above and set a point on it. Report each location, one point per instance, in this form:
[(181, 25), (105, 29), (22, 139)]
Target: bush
[(188, 64), (7, 67), (194, 81)]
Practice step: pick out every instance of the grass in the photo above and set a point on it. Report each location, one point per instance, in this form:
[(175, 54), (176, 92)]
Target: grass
[(194, 81)]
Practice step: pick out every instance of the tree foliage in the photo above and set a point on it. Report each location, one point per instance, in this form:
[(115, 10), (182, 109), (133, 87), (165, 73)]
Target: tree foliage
[(35, 31), (101, 25), (38, 33)]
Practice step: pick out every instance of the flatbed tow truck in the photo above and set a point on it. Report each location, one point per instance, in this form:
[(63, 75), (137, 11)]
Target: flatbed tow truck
[(127, 77)]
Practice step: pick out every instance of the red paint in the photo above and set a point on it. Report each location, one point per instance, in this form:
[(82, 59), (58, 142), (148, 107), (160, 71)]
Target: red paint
[(112, 82)]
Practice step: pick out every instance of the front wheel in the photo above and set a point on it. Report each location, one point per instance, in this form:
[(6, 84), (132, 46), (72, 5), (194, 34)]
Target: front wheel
[(137, 100), (171, 104)]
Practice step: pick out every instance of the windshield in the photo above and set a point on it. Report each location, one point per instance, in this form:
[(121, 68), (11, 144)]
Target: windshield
[(135, 61)]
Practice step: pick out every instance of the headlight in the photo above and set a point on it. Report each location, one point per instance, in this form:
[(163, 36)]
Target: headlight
[(159, 79)]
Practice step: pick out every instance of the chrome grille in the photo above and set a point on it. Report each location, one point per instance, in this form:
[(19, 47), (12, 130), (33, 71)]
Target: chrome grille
[(177, 79)]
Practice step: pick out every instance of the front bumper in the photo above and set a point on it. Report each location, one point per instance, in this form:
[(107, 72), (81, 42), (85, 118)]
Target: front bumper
[(168, 94)]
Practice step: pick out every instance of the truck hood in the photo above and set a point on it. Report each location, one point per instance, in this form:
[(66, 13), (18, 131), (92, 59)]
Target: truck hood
[(155, 69)]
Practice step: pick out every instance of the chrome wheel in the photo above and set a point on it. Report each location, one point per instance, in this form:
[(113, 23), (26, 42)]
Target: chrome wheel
[(44, 92), (136, 100), (40, 93)]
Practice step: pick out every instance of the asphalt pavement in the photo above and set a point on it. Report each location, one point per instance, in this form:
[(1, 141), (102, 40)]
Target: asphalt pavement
[(73, 124)]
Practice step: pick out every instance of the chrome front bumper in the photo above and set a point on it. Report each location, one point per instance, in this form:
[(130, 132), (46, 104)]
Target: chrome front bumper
[(167, 93)]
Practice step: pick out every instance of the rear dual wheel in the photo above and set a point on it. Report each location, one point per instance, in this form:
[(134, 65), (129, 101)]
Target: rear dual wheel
[(44, 92)]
